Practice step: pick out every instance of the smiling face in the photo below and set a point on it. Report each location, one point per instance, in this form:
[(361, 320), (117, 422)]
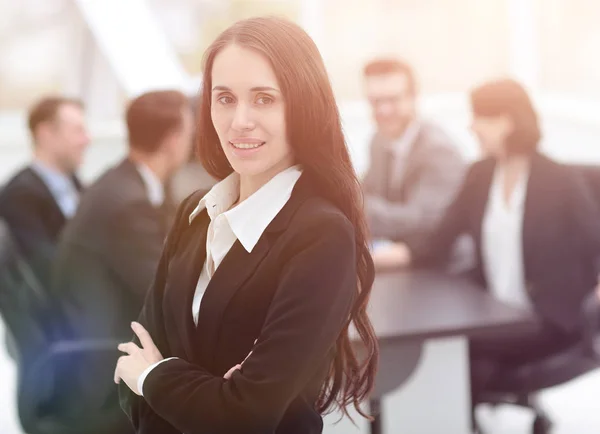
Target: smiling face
[(392, 102), (248, 113), (64, 139)]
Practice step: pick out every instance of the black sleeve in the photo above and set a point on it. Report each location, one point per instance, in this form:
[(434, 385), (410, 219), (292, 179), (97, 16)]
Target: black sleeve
[(310, 308), (20, 209), (437, 247), (141, 415), (585, 213)]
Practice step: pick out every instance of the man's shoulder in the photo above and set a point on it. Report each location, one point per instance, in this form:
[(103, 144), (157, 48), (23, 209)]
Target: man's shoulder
[(24, 180), (434, 141), (433, 134), (24, 186), (116, 187), (123, 175), (109, 202)]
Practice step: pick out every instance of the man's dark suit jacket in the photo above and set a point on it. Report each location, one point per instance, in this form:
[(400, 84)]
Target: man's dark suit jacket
[(561, 236), (293, 293), (106, 259), (34, 218)]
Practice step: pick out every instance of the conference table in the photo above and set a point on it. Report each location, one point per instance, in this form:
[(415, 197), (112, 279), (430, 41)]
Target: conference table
[(423, 320)]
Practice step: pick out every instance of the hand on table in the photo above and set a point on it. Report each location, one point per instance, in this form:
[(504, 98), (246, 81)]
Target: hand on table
[(392, 256)]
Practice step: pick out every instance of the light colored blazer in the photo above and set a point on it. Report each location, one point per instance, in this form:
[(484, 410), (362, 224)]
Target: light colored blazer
[(404, 200)]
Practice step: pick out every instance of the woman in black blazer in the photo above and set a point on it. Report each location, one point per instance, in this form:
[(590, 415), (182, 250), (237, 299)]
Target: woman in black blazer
[(535, 225), (246, 328)]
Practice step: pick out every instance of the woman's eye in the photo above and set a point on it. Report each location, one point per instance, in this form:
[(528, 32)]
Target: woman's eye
[(225, 99), (263, 100)]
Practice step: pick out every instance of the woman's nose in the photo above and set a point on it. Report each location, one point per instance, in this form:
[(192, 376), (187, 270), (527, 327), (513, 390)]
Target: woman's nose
[(242, 120)]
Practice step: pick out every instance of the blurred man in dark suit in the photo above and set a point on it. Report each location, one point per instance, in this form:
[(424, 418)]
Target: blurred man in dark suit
[(39, 199), (191, 176), (110, 249)]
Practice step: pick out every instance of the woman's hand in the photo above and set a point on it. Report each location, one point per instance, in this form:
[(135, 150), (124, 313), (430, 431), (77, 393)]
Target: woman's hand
[(130, 367), (392, 256), (229, 373)]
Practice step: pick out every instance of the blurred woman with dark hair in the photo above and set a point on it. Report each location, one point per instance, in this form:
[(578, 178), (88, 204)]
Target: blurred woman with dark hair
[(246, 329), (535, 226)]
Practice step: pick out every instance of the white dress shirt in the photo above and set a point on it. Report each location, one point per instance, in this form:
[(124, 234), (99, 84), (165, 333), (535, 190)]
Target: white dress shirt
[(403, 145), (245, 223), (502, 241), (154, 186), (400, 149)]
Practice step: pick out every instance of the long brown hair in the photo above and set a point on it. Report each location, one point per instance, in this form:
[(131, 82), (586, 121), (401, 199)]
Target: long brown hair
[(315, 134)]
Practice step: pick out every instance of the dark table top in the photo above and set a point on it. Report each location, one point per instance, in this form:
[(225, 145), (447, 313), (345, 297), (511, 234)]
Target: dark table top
[(425, 304)]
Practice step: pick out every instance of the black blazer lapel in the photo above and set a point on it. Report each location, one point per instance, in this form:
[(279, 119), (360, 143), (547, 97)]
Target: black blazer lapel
[(533, 214), (184, 271), (480, 198), (237, 266), (41, 186), (475, 201), (77, 183)]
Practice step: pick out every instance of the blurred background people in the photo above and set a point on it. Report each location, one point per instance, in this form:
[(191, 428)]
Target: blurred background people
[(536, 229), (192, 176), (106, 53), (37, 201), (110, 249), (415, 167)]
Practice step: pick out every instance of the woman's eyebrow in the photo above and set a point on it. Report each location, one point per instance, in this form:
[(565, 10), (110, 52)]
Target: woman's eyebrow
[(254, 89)]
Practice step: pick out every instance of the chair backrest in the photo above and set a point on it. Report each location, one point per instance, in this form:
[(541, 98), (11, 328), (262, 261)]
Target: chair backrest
[(23, 300)]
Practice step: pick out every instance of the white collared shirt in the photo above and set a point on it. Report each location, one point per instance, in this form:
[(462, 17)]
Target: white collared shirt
[(245, 223), (402, 145), (502, 241), (401, 148), (154, 186)]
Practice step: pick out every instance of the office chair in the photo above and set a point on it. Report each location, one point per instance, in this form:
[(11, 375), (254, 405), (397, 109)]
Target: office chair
[(41, 357), (520, 386)]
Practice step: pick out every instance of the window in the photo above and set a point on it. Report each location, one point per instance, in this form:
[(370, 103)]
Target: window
[(191, 25), (35, 38), (569, 41), (452, 45)]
